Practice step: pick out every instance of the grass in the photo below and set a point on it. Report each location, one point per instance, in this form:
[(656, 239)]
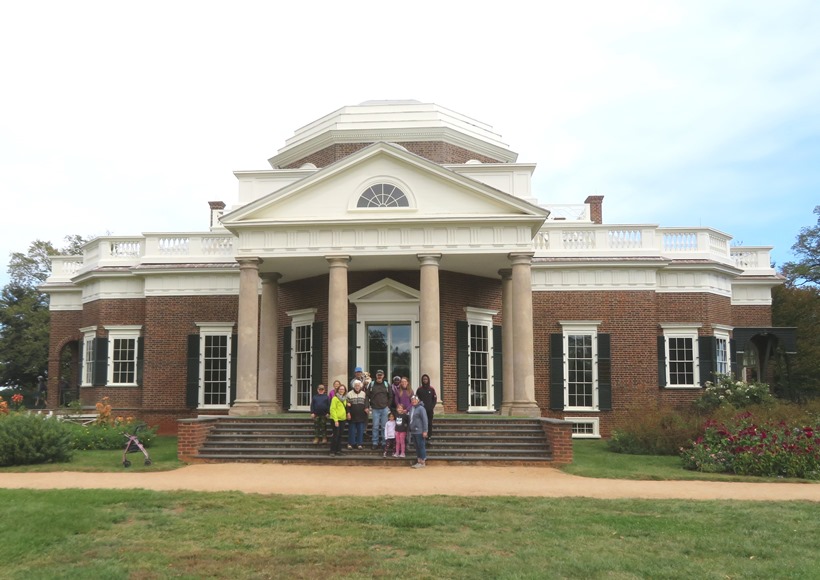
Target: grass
[(163, 454), (143, 534), (593, 459)]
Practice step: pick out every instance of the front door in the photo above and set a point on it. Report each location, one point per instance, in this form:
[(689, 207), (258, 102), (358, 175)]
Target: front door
[(390, 348)]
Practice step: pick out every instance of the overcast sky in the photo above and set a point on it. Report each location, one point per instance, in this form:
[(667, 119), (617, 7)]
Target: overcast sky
[(128, 118)]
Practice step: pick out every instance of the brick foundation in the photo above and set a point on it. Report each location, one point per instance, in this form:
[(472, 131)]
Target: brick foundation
[(559, 435), (191, 434)]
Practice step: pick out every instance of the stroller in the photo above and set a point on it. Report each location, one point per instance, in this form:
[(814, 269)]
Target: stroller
[(132, 446)]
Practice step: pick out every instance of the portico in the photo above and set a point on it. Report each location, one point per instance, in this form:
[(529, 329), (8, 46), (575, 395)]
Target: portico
[(318, 230)]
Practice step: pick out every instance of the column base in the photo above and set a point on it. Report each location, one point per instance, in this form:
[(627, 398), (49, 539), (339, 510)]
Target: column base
[(521, 409), (270, 407), (247, 408)]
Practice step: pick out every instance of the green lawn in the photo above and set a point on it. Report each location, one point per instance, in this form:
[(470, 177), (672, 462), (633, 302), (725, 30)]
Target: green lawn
[(592, 459), (116, 534), (163, 454)]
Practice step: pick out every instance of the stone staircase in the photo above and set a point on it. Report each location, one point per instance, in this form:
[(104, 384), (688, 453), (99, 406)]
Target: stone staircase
[(461, 440)]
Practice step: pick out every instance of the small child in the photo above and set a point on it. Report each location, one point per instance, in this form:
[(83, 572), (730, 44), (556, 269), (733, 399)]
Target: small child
[(402, 426), (390, 435)]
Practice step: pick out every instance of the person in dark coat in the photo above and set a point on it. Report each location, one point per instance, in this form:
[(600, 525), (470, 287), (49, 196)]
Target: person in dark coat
[(319, 408), (427, 395)]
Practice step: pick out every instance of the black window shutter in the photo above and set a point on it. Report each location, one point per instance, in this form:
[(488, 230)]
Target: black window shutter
[(234, 367), (80, 348), (100, 362), (604, 373), (352, 328), (287, 332), (706, 358), (498, 368), (317, 356), (140, 359), (462, 364), (735, 358), (192, 379), (661, 361), (556, 372)]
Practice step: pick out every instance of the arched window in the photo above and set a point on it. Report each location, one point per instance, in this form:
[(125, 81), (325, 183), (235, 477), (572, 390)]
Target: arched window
[(383, 195)]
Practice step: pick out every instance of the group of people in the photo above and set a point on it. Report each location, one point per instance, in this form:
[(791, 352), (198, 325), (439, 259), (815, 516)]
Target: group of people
[(394, 409)]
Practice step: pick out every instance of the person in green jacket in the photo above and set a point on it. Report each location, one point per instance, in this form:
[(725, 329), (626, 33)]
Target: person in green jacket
[(338, 415)]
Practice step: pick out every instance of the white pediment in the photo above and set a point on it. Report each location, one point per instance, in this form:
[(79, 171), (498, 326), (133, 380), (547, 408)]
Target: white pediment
[(386, 291), (433, 193)]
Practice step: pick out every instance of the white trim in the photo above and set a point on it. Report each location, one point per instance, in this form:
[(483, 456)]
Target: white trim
[(685, 330), (412, 202), (300, 318), (122, 332), (89, 334), (596, 427), (580, 328), (207, 329), (481, 317)]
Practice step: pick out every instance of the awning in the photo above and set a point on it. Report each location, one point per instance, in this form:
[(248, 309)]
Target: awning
[(785, 337)]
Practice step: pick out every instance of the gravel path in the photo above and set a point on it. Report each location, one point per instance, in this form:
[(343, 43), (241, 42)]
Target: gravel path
[(435, 480)]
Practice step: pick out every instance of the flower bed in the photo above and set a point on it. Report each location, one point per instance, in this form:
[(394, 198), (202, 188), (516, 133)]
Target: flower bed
[(744, 447)]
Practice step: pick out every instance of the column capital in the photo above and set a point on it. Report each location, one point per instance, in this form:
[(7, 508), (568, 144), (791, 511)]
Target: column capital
[(270, 277), (249, 262), (518, 258), (505, 273), (338, 260), (431, 259)]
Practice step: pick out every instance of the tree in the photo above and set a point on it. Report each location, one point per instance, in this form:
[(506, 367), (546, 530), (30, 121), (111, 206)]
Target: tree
[(806, 270), (24, 315), (798, 304)]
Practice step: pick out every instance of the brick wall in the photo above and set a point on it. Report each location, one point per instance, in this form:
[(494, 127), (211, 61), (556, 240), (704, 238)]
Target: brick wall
[(559, 435), (435, 151), (751, 316), (63, 329), (191, 434)]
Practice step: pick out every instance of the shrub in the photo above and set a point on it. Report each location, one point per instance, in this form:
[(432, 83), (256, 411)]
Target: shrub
[(26, 439), (747, 447), (656, 432), (737, 394), (103, 436)]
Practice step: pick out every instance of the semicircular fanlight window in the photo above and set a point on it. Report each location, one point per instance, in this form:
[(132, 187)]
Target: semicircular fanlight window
[(383, 195)]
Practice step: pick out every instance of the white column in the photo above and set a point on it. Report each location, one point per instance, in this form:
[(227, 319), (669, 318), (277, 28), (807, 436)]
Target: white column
[(523, 356), (430, 320), (337, 319), (507, 346), (269, 399), (248, 339)]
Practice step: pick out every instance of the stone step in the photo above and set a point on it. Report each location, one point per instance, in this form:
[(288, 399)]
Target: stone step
[(469, 440)]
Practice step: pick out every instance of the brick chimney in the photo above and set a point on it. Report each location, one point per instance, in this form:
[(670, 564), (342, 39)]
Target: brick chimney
[(596, 212)]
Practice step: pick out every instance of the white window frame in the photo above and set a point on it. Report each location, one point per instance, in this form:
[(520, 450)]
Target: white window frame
[(87, 365), (481, 317), (580, 328), (125, 332), (214, 329), (684, 331), (722, 336), (596, 427), (300, 319)]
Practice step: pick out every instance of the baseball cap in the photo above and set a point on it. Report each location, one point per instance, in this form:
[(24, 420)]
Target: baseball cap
[(357, 370)]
